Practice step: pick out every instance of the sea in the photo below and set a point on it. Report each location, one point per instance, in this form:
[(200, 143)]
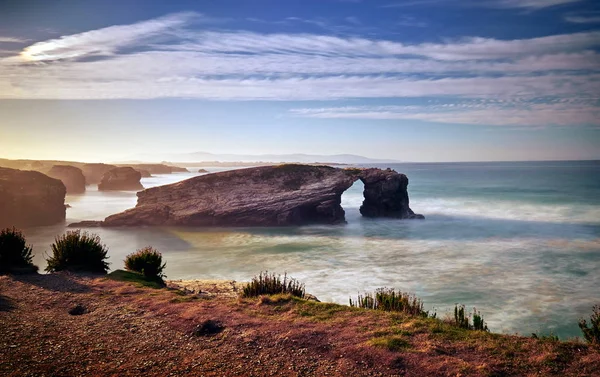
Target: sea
[(518, 241)]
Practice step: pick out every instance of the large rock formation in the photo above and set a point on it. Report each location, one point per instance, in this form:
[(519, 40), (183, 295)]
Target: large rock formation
[(266, 196), (386, 194), (125, 178), (70, 176), (29, 198), (94, 172)]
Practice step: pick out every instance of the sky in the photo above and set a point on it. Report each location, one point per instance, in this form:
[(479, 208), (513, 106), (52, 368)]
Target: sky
[(412, 80)]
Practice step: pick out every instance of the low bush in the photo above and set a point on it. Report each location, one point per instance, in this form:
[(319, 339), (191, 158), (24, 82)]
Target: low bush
[(591, 333), (78, 252), (15, 254), (147, 261), (271, 284), (392, 301), (462, 320)]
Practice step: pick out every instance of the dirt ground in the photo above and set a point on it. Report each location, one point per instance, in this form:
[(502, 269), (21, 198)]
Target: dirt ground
[(204, 329)]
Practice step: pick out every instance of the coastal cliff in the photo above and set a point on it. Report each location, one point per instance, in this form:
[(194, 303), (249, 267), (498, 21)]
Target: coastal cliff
[(30, 198), (282, 195)]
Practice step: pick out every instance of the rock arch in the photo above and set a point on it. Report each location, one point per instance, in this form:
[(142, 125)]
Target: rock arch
[(289, 194)]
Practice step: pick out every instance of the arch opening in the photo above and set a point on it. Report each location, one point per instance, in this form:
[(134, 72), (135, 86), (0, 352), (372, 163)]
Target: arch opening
[(352, 199)]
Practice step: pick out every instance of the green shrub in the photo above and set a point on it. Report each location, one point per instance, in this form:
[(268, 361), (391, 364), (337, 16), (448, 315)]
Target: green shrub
[(271, 284), (79, 252), (461, 320), (392, 301), (591, 333), (15, 255), (147, 261)]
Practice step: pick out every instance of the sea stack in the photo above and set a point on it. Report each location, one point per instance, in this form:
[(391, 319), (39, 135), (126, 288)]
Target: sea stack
[(386, 195), (123, 179), (30, 198), (70, 176)]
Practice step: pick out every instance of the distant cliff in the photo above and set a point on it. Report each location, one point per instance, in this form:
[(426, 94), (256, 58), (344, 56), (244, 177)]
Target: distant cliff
[(93, 172)]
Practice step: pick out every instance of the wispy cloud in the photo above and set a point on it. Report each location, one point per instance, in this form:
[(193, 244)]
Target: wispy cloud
[(531, 4), (583, 17), (164, 57), (11, 40), (104, 41)]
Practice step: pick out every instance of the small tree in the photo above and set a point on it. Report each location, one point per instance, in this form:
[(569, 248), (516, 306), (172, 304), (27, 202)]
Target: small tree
[(592, 333), (15, 254), (79, 252), (147, 261)]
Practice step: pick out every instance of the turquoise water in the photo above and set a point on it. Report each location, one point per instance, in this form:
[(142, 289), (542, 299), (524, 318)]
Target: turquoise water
[(518, 241)]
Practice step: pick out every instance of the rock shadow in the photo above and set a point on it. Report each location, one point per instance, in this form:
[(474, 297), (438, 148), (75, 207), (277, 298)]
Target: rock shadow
[(57, 282), (6, 304)]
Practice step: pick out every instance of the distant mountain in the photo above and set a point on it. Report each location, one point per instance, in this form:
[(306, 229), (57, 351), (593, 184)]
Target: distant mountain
[(296, 157)]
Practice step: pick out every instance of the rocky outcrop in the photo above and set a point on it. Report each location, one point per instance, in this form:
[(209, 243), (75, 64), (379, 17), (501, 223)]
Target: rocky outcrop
[(70, 176), (144, 173), (266, 196), (29, 198), (386, 195), (94, 172), (124, 178), (203, 171)]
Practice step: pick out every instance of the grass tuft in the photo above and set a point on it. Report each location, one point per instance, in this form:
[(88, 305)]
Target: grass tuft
[(271, 284), (393, 343), (390, 300), (462, 320)]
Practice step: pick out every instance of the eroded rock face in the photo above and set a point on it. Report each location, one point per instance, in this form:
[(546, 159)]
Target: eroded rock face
[(266, 196), (70, 176), (94, 172), (29, 198), (124, 178)]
